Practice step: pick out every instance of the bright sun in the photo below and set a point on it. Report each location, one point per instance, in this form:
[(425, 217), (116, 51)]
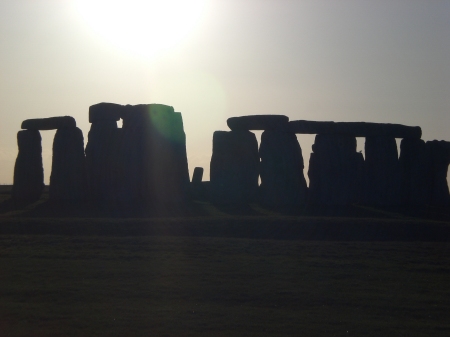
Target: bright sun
[(145, 27)]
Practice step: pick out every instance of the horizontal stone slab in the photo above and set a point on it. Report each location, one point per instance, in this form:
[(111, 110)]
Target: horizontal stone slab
[(105, 112), (355, 129), (51, 123), (257, 122), (113, 112)]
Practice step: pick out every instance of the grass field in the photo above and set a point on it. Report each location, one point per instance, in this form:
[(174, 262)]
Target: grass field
[(183, 286), (219, 271)]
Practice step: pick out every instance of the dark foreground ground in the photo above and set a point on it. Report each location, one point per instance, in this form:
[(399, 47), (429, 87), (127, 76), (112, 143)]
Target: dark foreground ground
[(184, 286), (218, 271)]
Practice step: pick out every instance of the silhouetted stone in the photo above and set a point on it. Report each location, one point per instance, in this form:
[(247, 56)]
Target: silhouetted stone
[(335, 171), (234, 167), (68, 177), (103, 161), (258, 122), (382, 171), (281, 169), (153, 155), (105, 112), (28, 170), (51, 123), (198, 175), (415, 172), (439, 154), (355, 129)]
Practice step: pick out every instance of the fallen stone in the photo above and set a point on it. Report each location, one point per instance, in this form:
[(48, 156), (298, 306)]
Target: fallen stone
[(234, 167), (281, 170), (258, 122), (335, 171), (52, 123), (105, 112), (28, 170), (355, 129), (382, 171), (68, 181)]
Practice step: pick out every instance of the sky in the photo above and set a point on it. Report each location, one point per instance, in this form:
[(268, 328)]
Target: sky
[(373, 61)]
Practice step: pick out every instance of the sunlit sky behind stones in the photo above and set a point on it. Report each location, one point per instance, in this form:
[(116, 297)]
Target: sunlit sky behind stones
[(373, 61)]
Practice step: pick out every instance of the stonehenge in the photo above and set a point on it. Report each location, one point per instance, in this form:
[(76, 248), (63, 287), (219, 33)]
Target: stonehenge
[(335, 170), (28, 170), (144, 163), (234, 167), (281, 169), (68, 177), (338, 174), (257, 122), (381, 171), (356, 129), (197, 176), (52, 123)]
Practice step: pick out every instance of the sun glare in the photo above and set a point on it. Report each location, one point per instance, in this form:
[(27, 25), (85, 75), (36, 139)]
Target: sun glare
[(142, 27)]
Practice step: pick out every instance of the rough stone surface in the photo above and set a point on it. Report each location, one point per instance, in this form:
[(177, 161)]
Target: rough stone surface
[(258, 122), (103, 162), (68, 178), (439, 154), (415, 172), (198, 175), (28, 170), (382, 174), (51, 123), (105, 112), (234, 167), (335, 171), (153, 156), (355, 129), (281, 170)]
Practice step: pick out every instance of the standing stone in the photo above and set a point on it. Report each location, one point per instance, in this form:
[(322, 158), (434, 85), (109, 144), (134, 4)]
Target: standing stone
[(68, 177), (28, 170), (153, 156), (197, 176), (439, 154), (103, 162), (415, 172), (335, 170), (234, 167), (282, 179), (382, 171)]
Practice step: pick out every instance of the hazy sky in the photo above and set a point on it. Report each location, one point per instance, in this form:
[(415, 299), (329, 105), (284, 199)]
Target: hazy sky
[(373, 61)]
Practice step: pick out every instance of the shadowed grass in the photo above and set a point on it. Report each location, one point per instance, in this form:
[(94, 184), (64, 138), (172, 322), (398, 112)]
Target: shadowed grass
[(185, 286)]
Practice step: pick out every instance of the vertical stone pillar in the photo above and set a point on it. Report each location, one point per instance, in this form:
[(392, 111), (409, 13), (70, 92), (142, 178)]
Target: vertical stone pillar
[(281, 169), (28, 170), (335, 170), (439, 156), (153, 153), (382, 171), (102, 154), (234, 167), (415, 172), (68, 181), (197, 176), (102, 161)]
